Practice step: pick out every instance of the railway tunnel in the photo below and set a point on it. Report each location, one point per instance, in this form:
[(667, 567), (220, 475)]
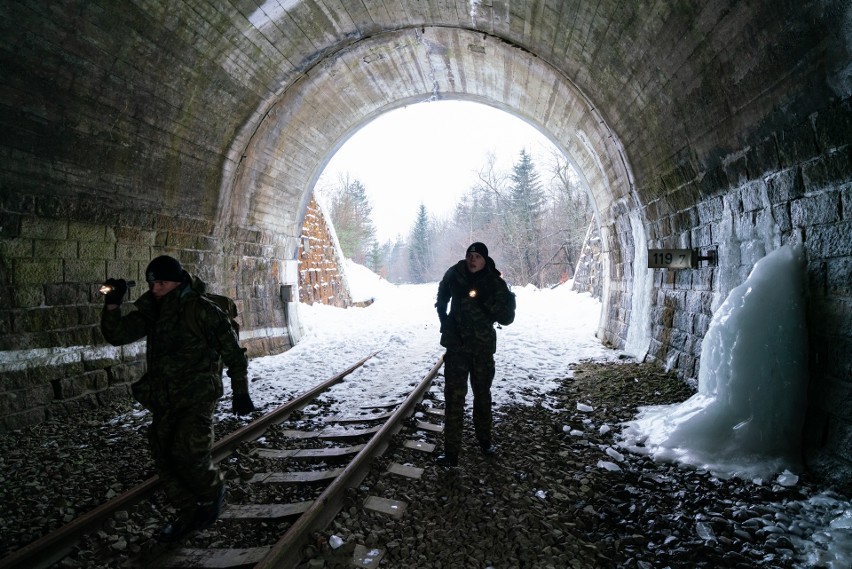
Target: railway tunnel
[(198, 129)]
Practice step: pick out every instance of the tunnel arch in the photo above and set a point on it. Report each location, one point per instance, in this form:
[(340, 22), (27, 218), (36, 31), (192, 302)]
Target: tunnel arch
[(142, 129), (300, 131)]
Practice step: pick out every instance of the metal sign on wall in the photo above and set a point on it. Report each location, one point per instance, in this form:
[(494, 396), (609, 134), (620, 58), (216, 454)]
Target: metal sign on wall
[(672, 259)]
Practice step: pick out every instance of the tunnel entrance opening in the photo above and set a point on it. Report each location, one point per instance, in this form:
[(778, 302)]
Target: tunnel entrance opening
[(411, 189)]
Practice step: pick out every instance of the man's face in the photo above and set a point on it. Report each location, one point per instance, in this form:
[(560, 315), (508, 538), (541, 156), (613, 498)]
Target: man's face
[(475, 262), (161, 288)]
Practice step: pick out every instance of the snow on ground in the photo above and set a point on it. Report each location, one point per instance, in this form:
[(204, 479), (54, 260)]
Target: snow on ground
[(552, 329)]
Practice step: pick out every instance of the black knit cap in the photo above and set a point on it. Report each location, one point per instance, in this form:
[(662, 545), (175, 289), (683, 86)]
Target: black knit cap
[(478, 248), (164, 268)]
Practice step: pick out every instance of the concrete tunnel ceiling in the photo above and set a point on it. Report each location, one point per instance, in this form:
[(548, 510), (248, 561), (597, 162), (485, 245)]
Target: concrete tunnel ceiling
[(312, 118)]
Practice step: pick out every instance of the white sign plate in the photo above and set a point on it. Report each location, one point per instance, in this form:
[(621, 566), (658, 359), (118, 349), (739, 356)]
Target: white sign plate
[(672, 259)]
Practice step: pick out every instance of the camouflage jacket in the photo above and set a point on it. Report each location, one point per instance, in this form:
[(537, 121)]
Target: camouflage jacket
[(188, 339), (478, 301)]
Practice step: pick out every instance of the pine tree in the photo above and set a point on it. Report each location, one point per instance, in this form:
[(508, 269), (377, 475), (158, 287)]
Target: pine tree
[(420, 248), (526, 212), (351, 215)]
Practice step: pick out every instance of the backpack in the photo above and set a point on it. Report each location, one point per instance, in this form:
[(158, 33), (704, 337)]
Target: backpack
[(510, 309), (227, 305)]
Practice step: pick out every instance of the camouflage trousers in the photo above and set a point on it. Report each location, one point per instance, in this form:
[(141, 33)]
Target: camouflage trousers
[(458, 365), (181, 442)]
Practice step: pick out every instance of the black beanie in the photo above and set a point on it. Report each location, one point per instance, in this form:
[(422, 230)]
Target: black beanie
[(164, 268), (478, 248)]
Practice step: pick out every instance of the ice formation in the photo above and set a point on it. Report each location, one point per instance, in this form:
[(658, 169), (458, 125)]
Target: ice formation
[(747, 416)]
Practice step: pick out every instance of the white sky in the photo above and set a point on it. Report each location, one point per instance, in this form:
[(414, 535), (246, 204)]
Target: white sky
[(428, 153), (554, 328)]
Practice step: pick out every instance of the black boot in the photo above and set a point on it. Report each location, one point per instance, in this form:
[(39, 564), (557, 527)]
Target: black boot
[(188, 521), (487, 448), (208, 512), (177, 529), (447, 460)]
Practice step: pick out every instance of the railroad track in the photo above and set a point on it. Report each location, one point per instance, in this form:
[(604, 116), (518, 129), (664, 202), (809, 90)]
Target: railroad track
[(284, 484)]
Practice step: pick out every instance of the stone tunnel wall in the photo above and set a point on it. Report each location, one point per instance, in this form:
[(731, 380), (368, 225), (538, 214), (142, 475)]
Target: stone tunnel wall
[(789, 186), (54, 358), (321, 278), (587, 273)]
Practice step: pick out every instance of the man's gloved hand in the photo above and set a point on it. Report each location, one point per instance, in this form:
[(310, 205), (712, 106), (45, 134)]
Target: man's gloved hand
[(443, 319), (118, 288), (242, 404)]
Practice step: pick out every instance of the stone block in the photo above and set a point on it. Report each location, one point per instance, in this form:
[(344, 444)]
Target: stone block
[(815, 209), (713, 182), (140, 237), (784, 186), (90, 271), (92, 250), (834, 315), (124, 251), (71, 407), (100, 356), (115, 393), (833, 127), (846, 200), (44, 228), (28, 296), (87, 232), (827, 172), (43, 372), (835, 397), (752, 195), (129, 270), (762, 158), (23, 399), (53, 248), (73, 387), (66, 293), (839, 277), (839, 435), (828, 241), (37, 272), (10, 225), (797, 144), (180, 241), (781, 215), (16, 248), (816, 277), (5, 321), (710, 210), (45, 319), (23, 419)]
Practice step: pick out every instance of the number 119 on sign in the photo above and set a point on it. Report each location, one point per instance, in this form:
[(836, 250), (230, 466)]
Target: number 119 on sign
[(671, 259)]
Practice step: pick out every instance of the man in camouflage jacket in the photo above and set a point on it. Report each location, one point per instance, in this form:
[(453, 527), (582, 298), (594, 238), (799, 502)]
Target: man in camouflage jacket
[(480, 297), (188, 339)]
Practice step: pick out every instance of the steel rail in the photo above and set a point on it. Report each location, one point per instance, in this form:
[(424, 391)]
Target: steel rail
[(287, 552), (56, 545)]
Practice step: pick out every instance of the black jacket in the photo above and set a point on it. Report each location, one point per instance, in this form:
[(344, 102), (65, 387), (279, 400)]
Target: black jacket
[(478, 301)]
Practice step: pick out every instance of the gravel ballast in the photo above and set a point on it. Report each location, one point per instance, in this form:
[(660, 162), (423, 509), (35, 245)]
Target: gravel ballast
[(550, 498)]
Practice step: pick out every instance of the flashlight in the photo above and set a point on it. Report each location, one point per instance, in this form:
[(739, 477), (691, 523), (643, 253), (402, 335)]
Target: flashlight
[(472, 293), (106, 289)]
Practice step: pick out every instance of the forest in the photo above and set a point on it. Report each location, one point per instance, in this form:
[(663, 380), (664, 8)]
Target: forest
[(533, 218)]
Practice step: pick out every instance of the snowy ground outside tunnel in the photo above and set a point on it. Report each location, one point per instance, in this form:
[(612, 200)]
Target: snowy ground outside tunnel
[(553, 329)]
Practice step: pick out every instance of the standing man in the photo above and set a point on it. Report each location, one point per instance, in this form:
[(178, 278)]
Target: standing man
[(188, 338), (480, 297)]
